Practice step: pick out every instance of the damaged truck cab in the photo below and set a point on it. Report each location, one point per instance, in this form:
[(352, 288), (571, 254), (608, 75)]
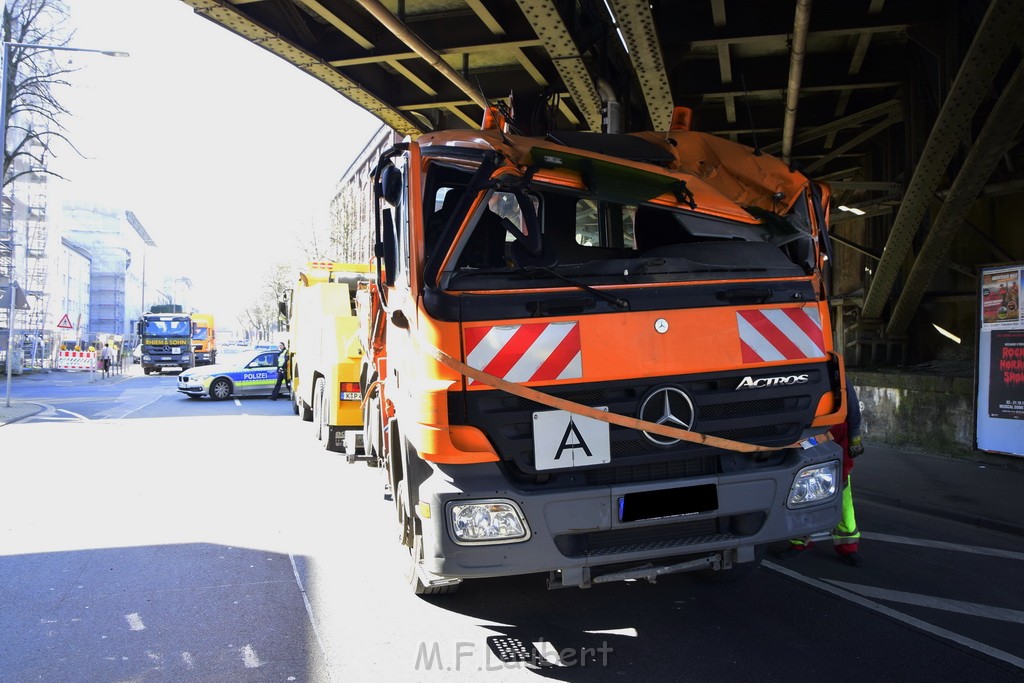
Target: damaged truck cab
[(598, 356)]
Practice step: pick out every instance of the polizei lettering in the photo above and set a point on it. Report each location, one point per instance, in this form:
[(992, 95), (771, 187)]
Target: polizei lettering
[(749, 382)]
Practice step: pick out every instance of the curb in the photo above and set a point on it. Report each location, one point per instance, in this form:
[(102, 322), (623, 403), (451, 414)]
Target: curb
[(39, 409), (914, 506)]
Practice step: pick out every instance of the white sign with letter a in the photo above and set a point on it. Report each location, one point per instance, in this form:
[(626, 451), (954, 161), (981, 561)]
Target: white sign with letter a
[(562, 439)]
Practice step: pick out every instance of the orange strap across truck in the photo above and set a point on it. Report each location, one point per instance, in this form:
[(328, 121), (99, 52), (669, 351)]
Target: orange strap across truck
[(605, 416)]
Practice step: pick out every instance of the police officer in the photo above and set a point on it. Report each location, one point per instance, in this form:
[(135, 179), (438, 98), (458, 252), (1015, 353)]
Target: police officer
[(282, 371)]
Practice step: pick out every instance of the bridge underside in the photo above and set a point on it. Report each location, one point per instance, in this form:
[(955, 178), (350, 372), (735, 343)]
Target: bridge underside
[(910, 109)]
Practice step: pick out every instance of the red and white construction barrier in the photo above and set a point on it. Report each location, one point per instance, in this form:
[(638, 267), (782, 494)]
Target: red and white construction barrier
[(76, 360)]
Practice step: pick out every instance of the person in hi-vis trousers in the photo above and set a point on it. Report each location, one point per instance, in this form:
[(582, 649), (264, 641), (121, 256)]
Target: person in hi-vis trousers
[(845, 536)]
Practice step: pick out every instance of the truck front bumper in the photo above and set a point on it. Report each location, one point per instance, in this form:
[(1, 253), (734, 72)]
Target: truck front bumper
[(578, 532)]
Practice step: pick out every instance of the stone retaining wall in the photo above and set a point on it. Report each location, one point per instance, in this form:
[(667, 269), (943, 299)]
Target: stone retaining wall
[(917, 412)]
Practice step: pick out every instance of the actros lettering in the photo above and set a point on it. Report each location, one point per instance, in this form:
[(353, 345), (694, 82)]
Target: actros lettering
[(749, 382)]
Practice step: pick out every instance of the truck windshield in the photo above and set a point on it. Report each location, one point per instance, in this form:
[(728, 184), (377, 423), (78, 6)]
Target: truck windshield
[(598, 241), (201, 334), (167, 328)]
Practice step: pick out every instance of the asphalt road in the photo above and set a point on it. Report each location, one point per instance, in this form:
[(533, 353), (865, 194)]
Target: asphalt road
[(148, 537)]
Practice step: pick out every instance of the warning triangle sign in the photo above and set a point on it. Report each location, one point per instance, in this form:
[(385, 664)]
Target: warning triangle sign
[(65, 323)]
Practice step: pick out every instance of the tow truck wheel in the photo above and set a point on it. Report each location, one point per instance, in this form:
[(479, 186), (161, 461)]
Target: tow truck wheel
[(319, 420), (305, 410), (220, 389)]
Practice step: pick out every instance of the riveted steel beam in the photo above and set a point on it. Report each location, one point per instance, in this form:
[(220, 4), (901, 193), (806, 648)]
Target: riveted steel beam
[(889, 108), (855, 142), (554, 34), (1003, 124), (636, 23), (225, 14), (1000, 29)]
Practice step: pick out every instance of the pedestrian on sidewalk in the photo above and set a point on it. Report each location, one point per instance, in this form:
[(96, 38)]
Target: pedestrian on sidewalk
[(845, 536), (106, 355)]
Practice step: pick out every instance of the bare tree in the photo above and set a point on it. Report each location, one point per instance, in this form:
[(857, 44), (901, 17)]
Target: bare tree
[(33, 113), (262, 315)]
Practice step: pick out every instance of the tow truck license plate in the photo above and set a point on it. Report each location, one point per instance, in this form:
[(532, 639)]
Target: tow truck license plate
[(562, 439)]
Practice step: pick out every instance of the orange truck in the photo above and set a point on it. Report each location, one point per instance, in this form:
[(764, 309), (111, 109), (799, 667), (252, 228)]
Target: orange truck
[(598, 356), (325, 356), (204, 341)]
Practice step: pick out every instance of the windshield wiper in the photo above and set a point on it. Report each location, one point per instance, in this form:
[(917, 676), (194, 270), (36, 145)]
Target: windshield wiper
[(617, 302)]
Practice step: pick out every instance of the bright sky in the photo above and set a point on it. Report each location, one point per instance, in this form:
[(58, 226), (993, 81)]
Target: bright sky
[(227, 154)]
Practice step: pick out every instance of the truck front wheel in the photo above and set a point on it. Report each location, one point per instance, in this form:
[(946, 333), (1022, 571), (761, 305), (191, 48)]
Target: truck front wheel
[(411, 537)]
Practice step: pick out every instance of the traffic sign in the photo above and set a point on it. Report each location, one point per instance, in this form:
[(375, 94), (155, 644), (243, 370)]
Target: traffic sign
[(65, 323)]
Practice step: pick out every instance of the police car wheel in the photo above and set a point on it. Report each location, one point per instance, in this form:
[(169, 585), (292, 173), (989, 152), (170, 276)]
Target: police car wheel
[(220, 389)]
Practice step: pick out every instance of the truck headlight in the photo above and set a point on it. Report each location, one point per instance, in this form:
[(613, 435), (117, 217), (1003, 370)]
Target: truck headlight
[(814, 484), (487, 521)]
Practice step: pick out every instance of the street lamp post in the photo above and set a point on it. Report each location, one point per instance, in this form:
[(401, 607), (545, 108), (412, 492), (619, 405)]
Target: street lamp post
[(3, 162)]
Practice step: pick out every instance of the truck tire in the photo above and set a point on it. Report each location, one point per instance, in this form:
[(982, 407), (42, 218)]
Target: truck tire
[(319, 419), (413, 576), (411, 538), (305, 410)]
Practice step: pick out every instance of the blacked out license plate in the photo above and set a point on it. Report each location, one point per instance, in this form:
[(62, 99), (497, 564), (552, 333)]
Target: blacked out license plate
[(675, 502)]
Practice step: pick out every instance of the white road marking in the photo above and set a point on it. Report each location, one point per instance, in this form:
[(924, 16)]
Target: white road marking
[(238, 403), (52, 413), (309, 612), (924, 543), (629, 631), (960, 607), (144, 405), (188, 660), (250, 658), (899, 616), (135, 622)]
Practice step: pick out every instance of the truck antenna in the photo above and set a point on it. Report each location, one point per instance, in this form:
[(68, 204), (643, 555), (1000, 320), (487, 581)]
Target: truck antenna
[(750, 116)]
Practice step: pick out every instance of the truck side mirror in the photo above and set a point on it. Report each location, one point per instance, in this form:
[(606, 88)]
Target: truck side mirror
[(138, 328), (282, 309), (391, 184)]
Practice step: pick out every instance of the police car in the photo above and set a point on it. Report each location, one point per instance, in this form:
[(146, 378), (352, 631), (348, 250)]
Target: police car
[(253, 374)]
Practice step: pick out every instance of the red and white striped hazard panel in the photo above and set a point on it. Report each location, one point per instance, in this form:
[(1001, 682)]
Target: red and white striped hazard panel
[(526, 353), (776, 334)]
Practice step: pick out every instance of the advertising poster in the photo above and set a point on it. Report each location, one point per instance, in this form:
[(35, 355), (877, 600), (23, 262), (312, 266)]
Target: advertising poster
[(1000, 399), (1006, 375), (1000, 298)]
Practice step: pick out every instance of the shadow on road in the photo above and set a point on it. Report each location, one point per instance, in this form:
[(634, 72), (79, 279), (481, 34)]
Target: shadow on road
[(170, 613)]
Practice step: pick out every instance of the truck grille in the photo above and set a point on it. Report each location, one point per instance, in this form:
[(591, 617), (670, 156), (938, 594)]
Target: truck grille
[(772, 416), (639, 539)]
